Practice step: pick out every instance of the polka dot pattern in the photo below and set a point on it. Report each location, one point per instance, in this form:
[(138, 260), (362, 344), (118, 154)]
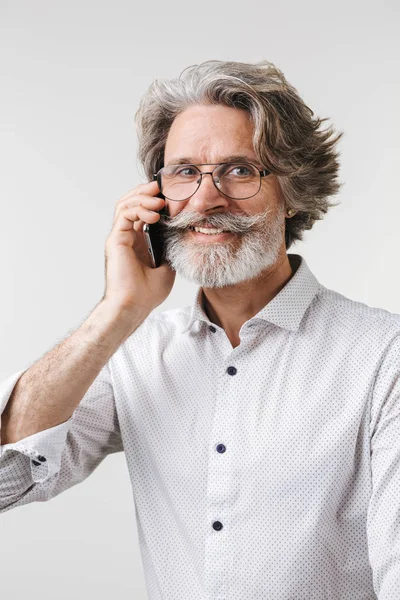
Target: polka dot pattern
[(266, 471)]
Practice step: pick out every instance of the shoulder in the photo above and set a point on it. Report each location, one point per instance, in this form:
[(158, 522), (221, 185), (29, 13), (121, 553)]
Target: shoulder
[(342, 314)]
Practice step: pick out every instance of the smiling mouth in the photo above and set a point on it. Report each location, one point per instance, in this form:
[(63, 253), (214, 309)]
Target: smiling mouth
[(208, 230)]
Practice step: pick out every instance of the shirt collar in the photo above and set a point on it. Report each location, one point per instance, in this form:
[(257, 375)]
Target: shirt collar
[(285, 310)]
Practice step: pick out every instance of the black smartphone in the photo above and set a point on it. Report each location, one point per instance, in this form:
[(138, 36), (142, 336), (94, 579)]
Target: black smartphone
[(154, 236)]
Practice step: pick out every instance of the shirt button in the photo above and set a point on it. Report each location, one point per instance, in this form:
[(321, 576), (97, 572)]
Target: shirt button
[(217, 525), (42, 458), (231, 370), (221, 448), (212, 328)]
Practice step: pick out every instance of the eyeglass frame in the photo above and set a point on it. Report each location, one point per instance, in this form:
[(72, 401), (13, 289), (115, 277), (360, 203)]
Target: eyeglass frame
[(262, 173)]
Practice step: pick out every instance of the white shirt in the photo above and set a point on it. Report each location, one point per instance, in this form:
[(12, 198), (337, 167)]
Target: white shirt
[(269, 471)]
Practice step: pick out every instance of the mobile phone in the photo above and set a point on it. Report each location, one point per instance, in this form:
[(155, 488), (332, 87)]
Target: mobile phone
[(154, 237)]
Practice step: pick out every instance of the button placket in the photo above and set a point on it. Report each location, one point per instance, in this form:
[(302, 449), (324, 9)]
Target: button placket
[(221, 487)]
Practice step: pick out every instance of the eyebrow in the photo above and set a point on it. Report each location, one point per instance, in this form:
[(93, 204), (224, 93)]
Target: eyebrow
[(231, 158)]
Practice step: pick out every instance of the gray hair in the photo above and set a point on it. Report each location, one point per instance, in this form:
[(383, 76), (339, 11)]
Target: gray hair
[(287, 139)]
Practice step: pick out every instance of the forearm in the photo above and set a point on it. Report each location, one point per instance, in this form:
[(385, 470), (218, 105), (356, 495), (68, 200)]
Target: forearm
[(48, 392)]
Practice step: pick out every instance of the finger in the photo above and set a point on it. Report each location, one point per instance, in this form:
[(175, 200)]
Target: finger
[(150, 188), (149, 202), (130, 215), (138, 225)]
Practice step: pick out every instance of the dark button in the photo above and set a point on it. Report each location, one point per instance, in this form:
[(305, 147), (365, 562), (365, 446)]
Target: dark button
[(221, 448), (212, 328), (217, 525), (231, 370), (35, 462), (42, 458)]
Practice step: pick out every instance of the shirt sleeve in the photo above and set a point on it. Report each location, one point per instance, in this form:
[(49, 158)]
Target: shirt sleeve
[(46, 463), (383, 518)]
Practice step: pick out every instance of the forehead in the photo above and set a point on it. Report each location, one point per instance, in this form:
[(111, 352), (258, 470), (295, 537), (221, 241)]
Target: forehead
[(208, 134)]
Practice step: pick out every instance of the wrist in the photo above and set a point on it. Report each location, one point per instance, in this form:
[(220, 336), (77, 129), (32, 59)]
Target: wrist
[(120, 316)]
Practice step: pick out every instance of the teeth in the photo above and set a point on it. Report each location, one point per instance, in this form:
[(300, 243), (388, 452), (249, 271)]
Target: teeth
[(208, 230)]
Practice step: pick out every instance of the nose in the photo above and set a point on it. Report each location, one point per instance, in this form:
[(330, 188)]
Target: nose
[(207, 198)]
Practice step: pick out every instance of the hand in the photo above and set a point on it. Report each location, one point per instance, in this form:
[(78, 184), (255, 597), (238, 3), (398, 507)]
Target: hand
[(131, 281)]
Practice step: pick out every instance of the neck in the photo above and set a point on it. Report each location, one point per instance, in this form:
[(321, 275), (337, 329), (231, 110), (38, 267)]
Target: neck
[(230, 307)]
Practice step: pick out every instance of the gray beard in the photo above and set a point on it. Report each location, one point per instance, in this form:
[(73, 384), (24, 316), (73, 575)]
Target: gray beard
[(221, 264)]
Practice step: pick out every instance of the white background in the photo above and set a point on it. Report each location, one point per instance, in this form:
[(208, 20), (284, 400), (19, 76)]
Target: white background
[(72, 77)]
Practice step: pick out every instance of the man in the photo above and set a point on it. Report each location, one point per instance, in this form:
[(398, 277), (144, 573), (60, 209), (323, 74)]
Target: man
[(262, 424)]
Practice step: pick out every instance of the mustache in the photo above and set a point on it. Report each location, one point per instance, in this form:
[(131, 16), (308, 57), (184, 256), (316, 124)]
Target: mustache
[(233, 223)]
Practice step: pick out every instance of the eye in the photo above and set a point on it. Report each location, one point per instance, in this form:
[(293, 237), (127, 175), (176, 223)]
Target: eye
[(237, 171), (240, 171), (186, 171)]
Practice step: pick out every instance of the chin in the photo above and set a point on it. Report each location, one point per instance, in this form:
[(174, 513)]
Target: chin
[(220, 265)]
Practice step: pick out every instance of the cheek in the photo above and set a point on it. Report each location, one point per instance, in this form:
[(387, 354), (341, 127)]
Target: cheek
[(264, 201), (174, 209)]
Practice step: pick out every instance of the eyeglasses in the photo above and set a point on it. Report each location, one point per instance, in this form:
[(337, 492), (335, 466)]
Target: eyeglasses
[(238, 181)]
